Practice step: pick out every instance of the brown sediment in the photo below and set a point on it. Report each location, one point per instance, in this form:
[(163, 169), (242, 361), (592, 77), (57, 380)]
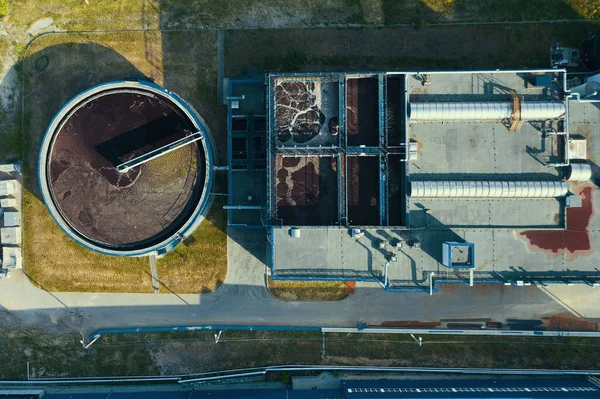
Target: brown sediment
[(575, 239), (298, 115), (141, 205), (307, 191), (363, 190), (362, 102), (290, 162)]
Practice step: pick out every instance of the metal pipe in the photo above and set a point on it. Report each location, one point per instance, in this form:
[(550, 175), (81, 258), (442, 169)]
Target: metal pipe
[(243, 207), (449, 370), (431, 274), (474, 71), (406, 134), (125, 166), (484, 111), (488, 189)]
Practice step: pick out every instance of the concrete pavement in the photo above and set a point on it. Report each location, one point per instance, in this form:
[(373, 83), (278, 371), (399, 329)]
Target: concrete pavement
[(244, 299)]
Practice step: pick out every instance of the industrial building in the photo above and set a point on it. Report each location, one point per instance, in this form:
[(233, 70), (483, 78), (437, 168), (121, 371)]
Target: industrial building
[(414, 179), (10, 219), (126, 169)]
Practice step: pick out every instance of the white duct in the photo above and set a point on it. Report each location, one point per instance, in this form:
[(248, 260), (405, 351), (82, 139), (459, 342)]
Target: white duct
[(488, 189), (580, 172), (484, 111), (542, 111)]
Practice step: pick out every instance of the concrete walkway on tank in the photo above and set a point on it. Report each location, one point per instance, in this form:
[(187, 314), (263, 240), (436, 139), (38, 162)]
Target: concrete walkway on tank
[(243, 299)]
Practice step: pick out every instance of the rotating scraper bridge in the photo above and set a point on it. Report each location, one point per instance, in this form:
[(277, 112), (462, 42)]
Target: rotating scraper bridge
[(370, 174)]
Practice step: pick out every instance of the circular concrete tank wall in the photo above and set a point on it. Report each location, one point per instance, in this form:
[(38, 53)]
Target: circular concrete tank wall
[(149, 208)]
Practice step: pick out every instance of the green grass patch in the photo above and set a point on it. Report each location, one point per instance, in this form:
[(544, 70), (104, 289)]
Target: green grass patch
[(61, 355), (3, 7)]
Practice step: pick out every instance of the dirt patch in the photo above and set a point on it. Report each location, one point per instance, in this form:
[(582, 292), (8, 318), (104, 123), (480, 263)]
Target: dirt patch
[(575, 239), (39, 26)]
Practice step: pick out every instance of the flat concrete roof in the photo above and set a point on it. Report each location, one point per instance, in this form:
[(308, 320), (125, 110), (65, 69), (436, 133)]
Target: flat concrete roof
[(536, 240), (329, 253), (10, 235)]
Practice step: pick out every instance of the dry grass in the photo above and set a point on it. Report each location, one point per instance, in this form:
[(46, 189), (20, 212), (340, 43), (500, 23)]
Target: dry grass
[(310, 290), (76, 62), (78, 15), (56, 263), (61, 355), (199, 265)]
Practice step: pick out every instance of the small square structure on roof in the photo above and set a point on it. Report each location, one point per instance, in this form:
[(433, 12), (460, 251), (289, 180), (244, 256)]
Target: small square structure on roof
[(8, 203), (10, 236), (12, 219), (12, 258), (9, 168), (458, 255), (577, 148), (8, 187)]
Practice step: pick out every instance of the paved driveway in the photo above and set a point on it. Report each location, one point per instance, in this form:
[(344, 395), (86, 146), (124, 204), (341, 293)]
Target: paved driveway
[(244, 299)]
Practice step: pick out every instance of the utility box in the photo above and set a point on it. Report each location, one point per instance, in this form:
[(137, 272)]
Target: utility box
[(577, 148), (458, 255), (10, 236), (8, 187), (8, 202), (12, 219)]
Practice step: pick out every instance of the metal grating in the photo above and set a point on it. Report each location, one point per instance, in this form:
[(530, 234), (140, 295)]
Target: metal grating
[(466, 390)]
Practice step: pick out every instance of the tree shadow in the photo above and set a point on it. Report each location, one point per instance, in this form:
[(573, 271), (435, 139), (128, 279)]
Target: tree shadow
[(67, 69)]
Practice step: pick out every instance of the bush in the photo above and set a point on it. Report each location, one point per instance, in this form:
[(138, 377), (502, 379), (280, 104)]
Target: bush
[(3, 7)]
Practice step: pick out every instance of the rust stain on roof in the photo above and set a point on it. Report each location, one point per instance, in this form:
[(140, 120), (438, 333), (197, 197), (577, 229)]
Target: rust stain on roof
[(575, 239), (567, 322)]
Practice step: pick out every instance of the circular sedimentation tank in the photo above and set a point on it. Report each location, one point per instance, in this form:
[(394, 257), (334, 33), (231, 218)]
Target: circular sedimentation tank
[(148, 209)]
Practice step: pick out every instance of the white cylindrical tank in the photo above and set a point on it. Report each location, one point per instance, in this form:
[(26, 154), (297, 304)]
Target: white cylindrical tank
[(488, 189), (484, 111), (580, 172)]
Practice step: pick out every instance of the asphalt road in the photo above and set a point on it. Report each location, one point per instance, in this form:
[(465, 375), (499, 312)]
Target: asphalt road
[(244, 300)]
